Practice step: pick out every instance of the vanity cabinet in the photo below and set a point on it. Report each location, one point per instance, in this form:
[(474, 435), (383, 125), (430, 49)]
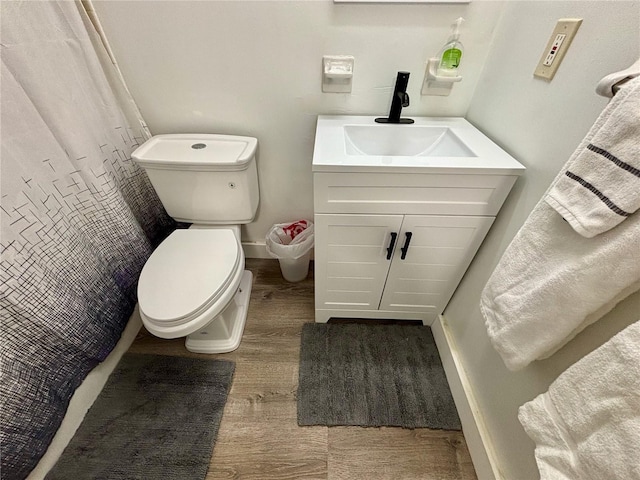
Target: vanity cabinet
[(394, 245), (400, 211), (392, 266)]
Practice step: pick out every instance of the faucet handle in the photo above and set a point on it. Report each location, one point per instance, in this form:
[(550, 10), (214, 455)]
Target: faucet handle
[(404, 98)]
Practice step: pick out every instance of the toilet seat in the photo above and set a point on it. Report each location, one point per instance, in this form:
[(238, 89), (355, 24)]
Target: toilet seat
[(188, 280)]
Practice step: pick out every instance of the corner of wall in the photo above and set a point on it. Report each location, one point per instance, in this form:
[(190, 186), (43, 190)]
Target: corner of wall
[(483, 71)]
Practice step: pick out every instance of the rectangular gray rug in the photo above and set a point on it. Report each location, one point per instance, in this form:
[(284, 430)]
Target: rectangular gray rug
[(373, 376), (157, 417)]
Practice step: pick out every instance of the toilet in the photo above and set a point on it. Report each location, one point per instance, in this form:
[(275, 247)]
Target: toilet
[(194, 285)]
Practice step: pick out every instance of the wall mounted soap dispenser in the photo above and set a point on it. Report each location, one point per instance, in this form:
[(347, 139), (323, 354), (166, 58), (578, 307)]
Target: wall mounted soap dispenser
[(442, 71)]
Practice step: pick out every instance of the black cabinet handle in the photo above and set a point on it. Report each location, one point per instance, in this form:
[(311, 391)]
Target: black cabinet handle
[(407, 241), (394, 235)]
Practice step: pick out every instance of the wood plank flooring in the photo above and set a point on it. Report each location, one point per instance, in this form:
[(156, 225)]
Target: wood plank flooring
[(259, 437)]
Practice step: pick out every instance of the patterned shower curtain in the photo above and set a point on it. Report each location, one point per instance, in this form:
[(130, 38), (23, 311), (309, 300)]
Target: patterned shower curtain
[(78, 218)]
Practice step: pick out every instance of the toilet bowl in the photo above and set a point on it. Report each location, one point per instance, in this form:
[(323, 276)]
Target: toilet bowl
[(194, 284), (192, 279)]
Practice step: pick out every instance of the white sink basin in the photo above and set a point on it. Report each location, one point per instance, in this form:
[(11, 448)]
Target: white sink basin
[(440, 144), (404, 140)]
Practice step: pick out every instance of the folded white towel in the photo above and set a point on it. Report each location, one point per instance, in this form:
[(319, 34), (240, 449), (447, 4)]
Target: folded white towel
[(587, 426), (601, 183), (551, 281)]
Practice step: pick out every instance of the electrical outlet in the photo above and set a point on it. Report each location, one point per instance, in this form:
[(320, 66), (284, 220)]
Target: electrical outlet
[(557, 47)]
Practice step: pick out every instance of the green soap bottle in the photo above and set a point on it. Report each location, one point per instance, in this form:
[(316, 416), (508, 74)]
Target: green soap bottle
[(451, 54)]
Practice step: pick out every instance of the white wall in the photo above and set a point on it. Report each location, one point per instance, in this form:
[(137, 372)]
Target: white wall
[(540, 124), (254, 68)]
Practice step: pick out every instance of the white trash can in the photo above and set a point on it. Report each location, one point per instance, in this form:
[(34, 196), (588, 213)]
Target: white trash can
[(297, 269), (291, 244)]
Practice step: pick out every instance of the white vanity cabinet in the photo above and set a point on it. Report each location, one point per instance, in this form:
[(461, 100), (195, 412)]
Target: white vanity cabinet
[(394, 235), (396, 263), (391, 266)]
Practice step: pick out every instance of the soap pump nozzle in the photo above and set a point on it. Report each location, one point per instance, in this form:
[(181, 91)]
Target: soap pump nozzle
[(455, 28)]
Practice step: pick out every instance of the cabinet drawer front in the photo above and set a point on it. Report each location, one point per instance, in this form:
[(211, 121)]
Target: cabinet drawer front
[(410, 194)]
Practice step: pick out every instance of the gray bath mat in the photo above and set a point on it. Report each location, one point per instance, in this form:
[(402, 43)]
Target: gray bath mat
[(373, 376), (157, 417)]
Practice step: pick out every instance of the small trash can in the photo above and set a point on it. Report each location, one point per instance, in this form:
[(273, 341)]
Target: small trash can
[(291, 244)]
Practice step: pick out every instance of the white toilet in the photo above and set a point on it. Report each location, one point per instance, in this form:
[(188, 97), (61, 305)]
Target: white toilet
[(194, 284)]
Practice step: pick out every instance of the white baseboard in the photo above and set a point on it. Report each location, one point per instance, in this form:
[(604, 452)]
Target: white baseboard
[(258, 250), (84, 397), (255, 250), (475, 431)]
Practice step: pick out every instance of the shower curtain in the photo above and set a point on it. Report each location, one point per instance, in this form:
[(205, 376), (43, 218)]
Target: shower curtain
[(78, 217)]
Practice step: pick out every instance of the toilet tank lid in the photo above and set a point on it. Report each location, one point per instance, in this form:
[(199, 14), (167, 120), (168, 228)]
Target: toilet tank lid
[(223, 151)]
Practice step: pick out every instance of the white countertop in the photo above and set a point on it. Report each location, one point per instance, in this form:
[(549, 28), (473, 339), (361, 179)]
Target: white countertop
[(330, 152)]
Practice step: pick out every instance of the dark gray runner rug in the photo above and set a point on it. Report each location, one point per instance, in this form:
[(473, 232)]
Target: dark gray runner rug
[(156, 418), (373, 376)]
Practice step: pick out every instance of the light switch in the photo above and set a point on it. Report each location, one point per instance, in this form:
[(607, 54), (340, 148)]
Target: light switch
[(557, 47)]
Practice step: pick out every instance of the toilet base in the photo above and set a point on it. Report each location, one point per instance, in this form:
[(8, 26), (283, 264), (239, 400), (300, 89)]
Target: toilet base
[(223, 333)]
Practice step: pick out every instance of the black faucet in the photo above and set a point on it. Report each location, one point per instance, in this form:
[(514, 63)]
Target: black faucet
[(400, 99)]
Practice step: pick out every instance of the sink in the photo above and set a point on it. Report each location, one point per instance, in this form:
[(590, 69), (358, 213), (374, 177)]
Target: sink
[(404, 140), (437, 144)]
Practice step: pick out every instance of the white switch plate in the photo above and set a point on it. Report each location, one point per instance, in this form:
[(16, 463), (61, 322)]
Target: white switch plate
[(557, 47)]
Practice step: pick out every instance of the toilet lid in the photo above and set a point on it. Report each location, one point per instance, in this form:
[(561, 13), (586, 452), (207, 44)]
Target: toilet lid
[(186, 273)]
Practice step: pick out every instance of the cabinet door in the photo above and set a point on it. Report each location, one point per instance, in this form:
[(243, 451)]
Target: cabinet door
[(351, 262), (437, 255)]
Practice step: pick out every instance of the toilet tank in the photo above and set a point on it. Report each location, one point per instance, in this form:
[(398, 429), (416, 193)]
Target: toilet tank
[(207, 179)]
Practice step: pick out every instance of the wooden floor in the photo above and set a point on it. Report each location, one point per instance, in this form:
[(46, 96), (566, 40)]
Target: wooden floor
[(259, 437)]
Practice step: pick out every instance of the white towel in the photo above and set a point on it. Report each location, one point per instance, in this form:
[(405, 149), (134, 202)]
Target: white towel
[(601, 183), (552, 282), (587, 426)]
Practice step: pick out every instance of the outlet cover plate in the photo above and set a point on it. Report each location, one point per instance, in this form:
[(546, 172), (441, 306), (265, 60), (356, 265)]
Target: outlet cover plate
[(557, 47)]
